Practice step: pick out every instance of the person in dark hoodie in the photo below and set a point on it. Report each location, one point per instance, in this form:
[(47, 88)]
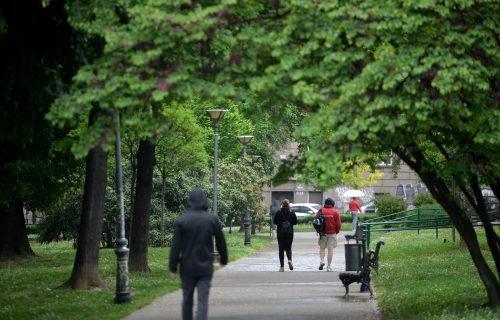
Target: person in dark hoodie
[(192, 249), (285, 219)]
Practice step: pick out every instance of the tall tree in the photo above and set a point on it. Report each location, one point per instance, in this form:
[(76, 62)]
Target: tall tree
[(85, 272), (40, 54), (418, 79), (180, 148), (139, 231)]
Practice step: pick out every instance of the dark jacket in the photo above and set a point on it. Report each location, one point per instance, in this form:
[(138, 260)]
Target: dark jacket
[(282, 215), (192, 245)]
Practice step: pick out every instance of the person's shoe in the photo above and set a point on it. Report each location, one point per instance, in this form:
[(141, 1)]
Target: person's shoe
[(329, 269), (282, 269), (290, 265), (321, 265)]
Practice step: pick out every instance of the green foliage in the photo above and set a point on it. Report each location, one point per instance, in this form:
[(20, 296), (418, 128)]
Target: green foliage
[(34, 167), (61, 221), (155, 227), (240, 189), (32, 229), (178, 187), (424, 198), (421, 277), (359, 176), (415, 78), (388, 204)]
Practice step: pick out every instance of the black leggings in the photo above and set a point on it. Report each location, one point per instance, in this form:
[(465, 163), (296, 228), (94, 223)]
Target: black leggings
[(285, 244)]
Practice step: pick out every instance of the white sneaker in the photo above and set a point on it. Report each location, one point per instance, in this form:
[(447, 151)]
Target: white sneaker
[(329, 269)]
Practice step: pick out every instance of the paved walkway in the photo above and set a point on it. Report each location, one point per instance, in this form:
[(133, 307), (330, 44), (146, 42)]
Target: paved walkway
[(252, 288)]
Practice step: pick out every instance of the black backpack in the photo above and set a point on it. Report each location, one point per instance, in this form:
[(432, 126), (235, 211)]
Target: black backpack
[(319, 223), (285, 228)]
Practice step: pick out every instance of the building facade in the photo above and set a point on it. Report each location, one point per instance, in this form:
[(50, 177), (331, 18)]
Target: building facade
[(404, 183)]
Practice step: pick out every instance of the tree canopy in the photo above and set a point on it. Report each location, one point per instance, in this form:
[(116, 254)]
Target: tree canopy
[(418, 78)]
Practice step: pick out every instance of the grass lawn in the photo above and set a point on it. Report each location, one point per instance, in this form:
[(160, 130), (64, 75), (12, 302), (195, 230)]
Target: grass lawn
[(421, 277), (28, 287)]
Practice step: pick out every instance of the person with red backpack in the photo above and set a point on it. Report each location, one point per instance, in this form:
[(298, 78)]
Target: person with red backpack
[(328, 239)]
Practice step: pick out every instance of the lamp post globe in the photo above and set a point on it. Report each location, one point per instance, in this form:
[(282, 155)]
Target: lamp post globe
[(216, 115), (244, 141), (246, 221)]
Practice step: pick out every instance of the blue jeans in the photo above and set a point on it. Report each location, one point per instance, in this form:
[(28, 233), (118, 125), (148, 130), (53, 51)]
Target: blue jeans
[(202, 283), (354, 220)]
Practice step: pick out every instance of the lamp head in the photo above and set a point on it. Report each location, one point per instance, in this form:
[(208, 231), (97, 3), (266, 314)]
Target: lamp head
[(216, 114), (245, 139)]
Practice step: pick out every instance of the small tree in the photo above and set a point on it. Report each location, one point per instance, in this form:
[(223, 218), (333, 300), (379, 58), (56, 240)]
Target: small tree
[(359, 175), (388, 204), (424, 198)]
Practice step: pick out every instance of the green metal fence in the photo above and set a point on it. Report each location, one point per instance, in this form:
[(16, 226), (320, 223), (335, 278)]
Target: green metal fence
[(413, 219)]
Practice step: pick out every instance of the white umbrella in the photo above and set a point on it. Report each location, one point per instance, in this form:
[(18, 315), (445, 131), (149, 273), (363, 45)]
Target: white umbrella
[(353, 194)]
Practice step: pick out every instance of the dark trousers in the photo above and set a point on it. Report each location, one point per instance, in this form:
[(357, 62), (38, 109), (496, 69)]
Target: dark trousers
[(285, 245), (202, 284)]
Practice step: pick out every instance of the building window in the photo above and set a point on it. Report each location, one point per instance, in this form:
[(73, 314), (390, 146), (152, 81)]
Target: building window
[(386, 159)]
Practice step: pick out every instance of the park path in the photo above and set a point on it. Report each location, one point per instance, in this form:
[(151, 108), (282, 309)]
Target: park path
[(252, 288)]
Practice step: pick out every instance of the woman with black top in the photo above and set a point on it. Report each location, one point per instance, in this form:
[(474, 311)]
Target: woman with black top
[(285, 219)]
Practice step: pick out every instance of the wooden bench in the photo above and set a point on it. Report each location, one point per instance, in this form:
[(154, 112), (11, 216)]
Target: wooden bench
[(363, 277)]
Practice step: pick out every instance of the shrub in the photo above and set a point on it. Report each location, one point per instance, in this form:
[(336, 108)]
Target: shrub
[(61, 220), (424, 198), (32, 229), (155, 227), (388, 204)]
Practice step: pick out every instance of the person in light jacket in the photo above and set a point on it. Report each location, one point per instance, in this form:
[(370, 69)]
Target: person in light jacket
[(192, 249)]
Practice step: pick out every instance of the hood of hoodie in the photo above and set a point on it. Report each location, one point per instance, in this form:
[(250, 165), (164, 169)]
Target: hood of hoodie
[(198, 200)]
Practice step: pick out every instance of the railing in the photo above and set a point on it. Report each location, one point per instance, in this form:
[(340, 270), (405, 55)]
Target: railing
[(414, 219)]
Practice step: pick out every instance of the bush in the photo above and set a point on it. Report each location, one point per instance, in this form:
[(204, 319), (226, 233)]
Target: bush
[(32, 229), (388, 204), (424, 198), (61, 220), (155, 227)]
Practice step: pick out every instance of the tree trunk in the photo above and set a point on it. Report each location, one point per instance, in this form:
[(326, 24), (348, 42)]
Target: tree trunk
[(462, 222), (133, 175), (162, 215), (437, 186), (14, 242), (482, 212), (139, 233), (85, 273)]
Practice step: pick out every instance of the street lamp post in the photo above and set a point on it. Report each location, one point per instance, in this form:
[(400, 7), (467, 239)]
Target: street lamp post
[(246, 222), (122, 294), (216, 115)]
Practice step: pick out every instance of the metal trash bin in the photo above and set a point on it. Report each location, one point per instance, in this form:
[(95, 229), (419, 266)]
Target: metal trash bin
[(353, 257)]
